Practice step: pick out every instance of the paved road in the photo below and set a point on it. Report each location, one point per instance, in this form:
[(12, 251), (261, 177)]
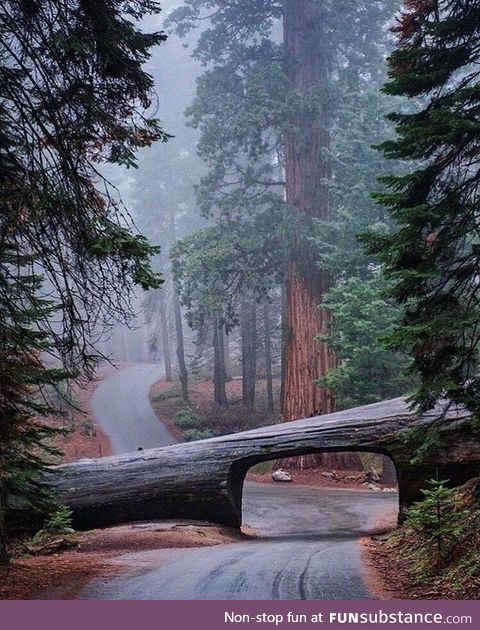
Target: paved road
[(307, 538), (121, 406), (307, 549)]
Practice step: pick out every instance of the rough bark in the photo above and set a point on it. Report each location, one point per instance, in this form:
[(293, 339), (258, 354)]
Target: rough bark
[(268, 356), (307, 173), (204, 479), (248, 329), (227, 359), (182, 366), (284, 338), (389, 474), (167, 356), (219, 377), (4, 559)]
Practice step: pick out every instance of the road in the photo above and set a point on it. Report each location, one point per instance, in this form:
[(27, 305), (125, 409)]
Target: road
[(306, 544), (307, 549), (121, 406)]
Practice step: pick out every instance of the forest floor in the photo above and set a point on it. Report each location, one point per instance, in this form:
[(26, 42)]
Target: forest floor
[(167, 401), (321, 477), (402, 560), (35, 574)]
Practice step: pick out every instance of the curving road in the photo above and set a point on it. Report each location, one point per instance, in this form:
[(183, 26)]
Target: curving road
[(307, 549), (307, 538), (122, 408)]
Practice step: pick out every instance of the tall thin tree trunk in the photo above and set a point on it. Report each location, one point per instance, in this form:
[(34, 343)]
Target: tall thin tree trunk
[(228, 362), (307, 173), (219, 378), (167, 356), (248, 328), (182, 366), (268, 356), (177, 310), (284, 337), (4, 559)]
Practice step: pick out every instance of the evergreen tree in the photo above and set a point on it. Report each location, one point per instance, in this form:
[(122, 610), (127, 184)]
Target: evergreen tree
[(433, 258), (438, 520), (368, 371), (255, 121), (24, 438), (73, 95)]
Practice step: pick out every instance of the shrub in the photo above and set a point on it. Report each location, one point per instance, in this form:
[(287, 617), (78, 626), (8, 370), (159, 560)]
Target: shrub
[(170, 393), (187, 419), (438, 521), (195, 434), (262, 468), (59, 521)]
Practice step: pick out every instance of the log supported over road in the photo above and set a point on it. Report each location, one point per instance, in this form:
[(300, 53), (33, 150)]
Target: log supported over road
[(204, 479)]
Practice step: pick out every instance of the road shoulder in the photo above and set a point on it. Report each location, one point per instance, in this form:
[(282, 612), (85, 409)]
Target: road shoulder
[(62, 575)]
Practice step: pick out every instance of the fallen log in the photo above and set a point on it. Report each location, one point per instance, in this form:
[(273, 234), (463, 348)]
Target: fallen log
[(204, 479)]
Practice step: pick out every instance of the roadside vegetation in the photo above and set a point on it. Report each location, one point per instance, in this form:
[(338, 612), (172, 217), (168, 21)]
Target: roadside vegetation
[(201, 417), (436, 553)]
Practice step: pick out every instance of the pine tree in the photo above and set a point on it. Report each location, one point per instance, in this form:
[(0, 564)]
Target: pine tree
[(264, 105), (433, 258), (368, 372), (25, 440), (73, 94), (437, 519)]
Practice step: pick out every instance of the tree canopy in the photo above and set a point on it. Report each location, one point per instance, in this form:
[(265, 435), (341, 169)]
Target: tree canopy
[(73, 95), (432, 259)]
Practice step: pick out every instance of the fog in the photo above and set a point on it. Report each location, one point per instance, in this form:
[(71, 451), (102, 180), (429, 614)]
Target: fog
[(222, 93)]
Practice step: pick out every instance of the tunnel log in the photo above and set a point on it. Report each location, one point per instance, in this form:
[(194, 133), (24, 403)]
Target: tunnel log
[(204, 480)]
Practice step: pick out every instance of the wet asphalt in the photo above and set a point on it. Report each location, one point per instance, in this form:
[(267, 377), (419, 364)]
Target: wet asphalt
[(305, 542)]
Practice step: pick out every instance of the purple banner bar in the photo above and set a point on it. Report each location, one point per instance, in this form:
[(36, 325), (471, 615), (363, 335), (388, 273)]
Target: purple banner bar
[(225, 615)]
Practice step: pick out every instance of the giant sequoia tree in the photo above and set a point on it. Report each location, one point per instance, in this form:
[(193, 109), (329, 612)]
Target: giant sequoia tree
[(73, 94), (266, 106), (433, 259)]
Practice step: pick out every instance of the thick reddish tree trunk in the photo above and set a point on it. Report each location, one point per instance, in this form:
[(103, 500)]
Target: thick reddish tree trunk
[(307, 175), (307, 358)]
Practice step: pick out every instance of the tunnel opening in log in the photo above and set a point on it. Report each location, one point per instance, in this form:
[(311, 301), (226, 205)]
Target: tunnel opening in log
[(338, 494)]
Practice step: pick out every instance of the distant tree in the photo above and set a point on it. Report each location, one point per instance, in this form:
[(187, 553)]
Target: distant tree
[(267, 344), (432, 260), (368, 372), (73, 95), (265, 106), (248, 329), (161, 193), (211, 276), (182, 366)]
